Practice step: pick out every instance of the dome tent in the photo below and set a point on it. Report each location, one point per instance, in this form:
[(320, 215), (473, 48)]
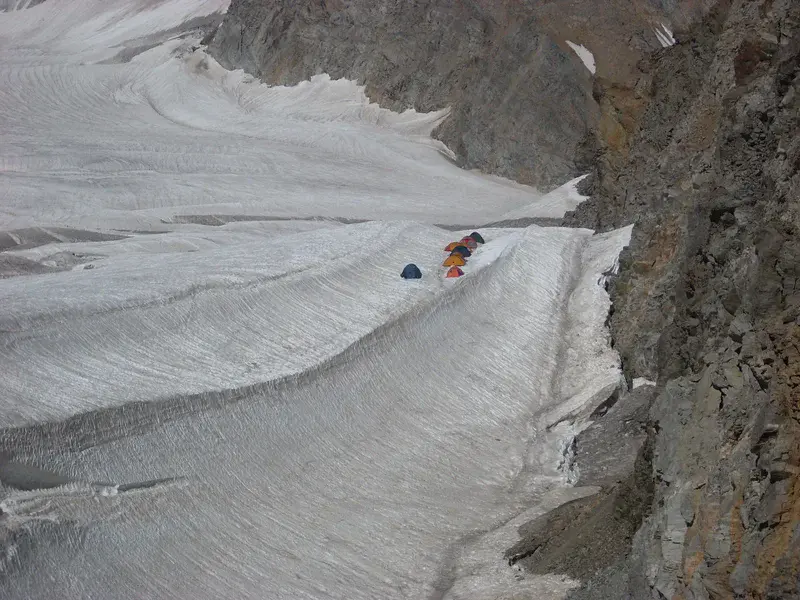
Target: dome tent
[(454, 272), (411, 271), (462, 250), (454, 260), (477, 237)]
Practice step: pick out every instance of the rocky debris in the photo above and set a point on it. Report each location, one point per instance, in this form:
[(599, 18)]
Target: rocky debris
[(15, 266), (12, 265), (585, 535), (519, 97), (707, 303), (223, 219), (505, 224)]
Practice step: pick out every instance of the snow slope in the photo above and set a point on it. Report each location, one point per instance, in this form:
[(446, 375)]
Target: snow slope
[(553, 204), (98, 145), (288, 417), (343, 482)]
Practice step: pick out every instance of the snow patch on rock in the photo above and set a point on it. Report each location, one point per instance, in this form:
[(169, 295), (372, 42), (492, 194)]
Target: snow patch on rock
[(587, 58)]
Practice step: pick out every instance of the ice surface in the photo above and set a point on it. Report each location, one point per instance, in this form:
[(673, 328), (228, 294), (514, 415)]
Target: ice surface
[(586, 56), (306, 424)]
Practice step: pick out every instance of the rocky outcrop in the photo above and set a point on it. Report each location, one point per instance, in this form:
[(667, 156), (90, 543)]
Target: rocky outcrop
[(519, 97), (707, 302), (586, 535)]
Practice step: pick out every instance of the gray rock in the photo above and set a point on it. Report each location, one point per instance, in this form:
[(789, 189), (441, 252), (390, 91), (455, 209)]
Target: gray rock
[(605, 452), (712, 269)]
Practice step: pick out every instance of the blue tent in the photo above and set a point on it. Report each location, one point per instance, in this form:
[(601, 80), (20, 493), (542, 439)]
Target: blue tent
[(462, 250), (411, 272)]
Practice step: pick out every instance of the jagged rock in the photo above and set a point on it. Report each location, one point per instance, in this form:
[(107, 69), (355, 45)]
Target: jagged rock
[(714, 269), (589, 534)]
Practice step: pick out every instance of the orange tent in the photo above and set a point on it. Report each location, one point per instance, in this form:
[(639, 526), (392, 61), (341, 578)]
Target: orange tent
[(451, 246), (454, 272), (454, 260)]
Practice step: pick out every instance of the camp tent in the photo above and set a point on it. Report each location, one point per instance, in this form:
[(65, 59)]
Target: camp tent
[(477, 237), (454, 260), (451, 245), (411, 271), (462, 250), (454, 272), (469, 243)]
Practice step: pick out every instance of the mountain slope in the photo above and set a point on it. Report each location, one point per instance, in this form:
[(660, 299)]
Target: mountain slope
[(520, 97)]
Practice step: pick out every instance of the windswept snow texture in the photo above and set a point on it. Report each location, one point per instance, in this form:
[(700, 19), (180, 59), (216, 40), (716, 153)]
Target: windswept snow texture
[(587, 58), (221, 375)]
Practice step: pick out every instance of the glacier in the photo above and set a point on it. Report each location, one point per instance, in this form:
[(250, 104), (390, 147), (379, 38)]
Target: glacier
[(243, 397)]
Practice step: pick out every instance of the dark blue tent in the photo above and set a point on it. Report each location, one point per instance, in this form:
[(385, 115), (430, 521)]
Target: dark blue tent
[(476, 236), (462, 250), (411, 272)]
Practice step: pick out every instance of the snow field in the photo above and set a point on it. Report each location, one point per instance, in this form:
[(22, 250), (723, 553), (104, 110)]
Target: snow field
[(352, 481), (342, 432)]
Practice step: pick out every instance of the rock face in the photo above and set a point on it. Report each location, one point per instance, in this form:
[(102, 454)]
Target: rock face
[(583, 536), (707, 303), (520, 98)]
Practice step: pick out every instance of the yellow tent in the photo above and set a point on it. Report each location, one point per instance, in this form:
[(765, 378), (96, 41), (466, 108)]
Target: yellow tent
[(454, 260)]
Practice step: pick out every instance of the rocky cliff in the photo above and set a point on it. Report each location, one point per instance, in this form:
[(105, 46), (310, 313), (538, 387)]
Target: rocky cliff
[(520, 98), (707, 303)]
